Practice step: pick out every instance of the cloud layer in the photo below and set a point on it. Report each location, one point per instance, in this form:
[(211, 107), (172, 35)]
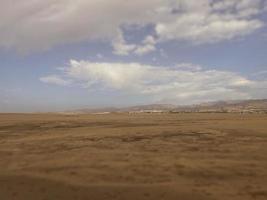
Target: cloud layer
[(54, 79), (182, 84), (35, 25)]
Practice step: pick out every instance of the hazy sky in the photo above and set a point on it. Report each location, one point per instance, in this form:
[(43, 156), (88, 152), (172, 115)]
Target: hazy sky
[(66, 54)]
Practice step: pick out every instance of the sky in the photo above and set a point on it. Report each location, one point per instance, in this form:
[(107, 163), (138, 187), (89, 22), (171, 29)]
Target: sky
[(58, 55)]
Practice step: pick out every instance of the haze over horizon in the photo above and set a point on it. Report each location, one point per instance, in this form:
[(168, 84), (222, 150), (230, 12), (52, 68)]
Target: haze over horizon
[(63, 54)]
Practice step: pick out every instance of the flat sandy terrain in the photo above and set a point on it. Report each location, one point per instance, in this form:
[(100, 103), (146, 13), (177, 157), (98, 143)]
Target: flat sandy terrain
[(133, 157)]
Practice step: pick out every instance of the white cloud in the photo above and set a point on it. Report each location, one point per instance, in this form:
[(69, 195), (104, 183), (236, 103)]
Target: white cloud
[(244, 8), (35, 25), (261, 75), (185, 83), (54, 79), (38, 25), (264, 72), (203, 22), (147, 46), (210, 32), (188, 66), (120, 46)]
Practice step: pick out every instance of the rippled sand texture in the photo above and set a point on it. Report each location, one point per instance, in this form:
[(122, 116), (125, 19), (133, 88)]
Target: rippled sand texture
[(133, 157)]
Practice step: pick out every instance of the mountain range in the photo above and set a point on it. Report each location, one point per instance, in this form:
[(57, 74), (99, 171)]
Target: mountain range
[(235, 106)]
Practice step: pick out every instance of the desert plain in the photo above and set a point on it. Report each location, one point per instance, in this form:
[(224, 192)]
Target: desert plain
[(121, 156)]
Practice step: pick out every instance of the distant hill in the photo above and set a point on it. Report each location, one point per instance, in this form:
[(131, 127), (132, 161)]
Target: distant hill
[(237, 106), (249, 106)]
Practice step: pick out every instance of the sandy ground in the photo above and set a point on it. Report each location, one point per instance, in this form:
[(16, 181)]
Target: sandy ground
[(133, 157)]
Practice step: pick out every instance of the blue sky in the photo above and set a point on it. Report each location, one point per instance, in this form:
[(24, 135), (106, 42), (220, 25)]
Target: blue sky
[(63, 55)]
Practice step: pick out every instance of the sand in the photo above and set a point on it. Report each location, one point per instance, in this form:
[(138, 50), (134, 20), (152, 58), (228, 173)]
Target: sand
[(133, 157)]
